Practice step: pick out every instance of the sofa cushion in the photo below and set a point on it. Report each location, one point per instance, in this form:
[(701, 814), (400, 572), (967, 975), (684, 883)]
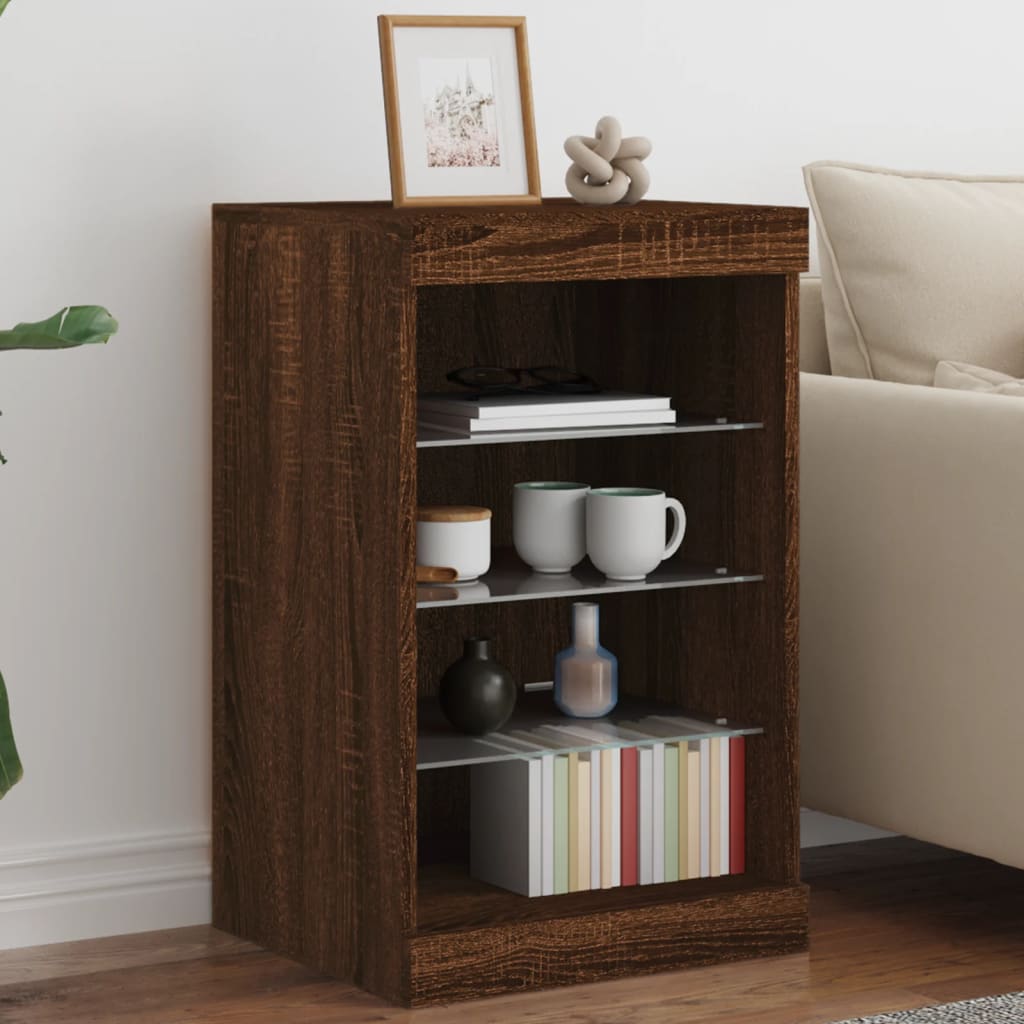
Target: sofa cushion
[(965, 377), (918, 268)]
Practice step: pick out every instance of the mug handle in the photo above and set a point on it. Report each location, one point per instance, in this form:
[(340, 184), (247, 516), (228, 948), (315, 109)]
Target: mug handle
[(676, 539)]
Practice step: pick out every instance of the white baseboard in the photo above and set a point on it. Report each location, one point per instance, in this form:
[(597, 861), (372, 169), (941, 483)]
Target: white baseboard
[(70, 891), (818, 829)]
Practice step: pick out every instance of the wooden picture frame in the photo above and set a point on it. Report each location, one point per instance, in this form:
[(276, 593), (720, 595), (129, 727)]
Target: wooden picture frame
[(460, 143)]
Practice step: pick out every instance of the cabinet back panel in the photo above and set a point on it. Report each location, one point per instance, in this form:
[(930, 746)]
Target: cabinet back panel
[(670, 335), (698, 469)]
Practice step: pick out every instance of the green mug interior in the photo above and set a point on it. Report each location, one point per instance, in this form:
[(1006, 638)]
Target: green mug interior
[(627, 492)]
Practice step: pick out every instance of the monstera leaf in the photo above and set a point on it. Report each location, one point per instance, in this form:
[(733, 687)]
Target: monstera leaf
[(10, 766), (73, 325)]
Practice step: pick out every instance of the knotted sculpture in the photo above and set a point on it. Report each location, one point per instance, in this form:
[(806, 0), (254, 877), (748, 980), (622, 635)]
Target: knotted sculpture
[(607, 169)]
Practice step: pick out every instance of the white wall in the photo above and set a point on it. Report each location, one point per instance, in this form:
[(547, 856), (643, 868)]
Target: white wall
[(121, 121)]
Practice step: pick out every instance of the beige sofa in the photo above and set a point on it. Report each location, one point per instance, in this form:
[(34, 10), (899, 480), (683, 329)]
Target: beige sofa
[(912, 604)]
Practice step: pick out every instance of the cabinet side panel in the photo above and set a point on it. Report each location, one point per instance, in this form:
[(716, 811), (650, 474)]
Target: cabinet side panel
[(767, 534), (314, 799)]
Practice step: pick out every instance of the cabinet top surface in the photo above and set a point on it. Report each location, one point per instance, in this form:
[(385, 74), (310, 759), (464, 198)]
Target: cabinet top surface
[(545, 211)]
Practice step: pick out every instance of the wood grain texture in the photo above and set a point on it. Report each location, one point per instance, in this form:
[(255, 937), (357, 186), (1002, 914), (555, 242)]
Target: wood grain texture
[(562, 240), (766, 526), (894, 925), (327, 319), (315, 490), (569, 241), (601, 945)]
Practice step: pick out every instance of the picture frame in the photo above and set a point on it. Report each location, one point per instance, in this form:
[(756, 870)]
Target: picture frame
[(459, 110)]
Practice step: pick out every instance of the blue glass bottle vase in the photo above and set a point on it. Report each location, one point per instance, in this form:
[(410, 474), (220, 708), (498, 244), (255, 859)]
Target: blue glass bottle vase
[(586, 675)]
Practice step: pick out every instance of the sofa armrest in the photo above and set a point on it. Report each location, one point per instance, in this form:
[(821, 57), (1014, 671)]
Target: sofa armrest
[(912, 609)]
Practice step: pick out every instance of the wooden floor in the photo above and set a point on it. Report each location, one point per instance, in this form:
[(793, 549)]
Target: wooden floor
[(894, 924)]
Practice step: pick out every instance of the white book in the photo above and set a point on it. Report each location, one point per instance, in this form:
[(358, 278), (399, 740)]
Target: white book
[(505, 825), (463, 426), (723, 777), (658, 813), (536, 855), (596, 767), (705, 808), (547, 825), (645, 819), (452, 403), (616, 816)]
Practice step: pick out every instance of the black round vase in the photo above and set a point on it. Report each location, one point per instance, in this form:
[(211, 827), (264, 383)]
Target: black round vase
[(477, 694)]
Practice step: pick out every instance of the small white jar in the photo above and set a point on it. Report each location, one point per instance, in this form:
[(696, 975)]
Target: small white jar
[(454, 537)]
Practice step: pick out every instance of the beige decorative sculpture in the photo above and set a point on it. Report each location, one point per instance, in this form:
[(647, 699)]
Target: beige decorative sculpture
[(607, 169)]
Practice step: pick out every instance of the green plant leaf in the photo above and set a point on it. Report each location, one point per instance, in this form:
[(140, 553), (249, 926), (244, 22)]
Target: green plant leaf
[(73, 325), (3, 4), (10, 766)]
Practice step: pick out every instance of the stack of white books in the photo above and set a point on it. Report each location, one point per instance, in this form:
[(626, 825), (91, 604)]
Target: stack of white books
[(463, 416)]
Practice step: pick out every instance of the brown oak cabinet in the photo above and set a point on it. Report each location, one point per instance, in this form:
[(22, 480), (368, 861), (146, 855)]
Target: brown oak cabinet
[(328, 845)]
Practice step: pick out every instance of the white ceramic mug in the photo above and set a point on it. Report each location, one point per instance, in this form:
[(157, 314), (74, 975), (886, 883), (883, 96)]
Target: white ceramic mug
[(549, 524), (626, 530)]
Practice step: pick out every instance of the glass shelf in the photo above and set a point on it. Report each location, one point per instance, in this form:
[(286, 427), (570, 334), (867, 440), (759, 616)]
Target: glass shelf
[(537, 727), (427, 438), (510, 580)]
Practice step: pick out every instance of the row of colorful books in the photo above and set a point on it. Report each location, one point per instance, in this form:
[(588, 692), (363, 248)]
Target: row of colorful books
[(634, 815)]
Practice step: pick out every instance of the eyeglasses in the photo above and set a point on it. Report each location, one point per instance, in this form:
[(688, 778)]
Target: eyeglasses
[(513, 379)]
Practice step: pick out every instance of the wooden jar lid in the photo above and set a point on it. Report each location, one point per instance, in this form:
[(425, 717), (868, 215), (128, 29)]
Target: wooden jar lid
[(451, 513)]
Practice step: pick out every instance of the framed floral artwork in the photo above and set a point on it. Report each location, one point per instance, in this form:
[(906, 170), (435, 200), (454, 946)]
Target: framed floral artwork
[(459, 110)]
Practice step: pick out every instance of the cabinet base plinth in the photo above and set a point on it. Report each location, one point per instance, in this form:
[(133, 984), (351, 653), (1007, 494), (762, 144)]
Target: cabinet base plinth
[(769, 920)]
